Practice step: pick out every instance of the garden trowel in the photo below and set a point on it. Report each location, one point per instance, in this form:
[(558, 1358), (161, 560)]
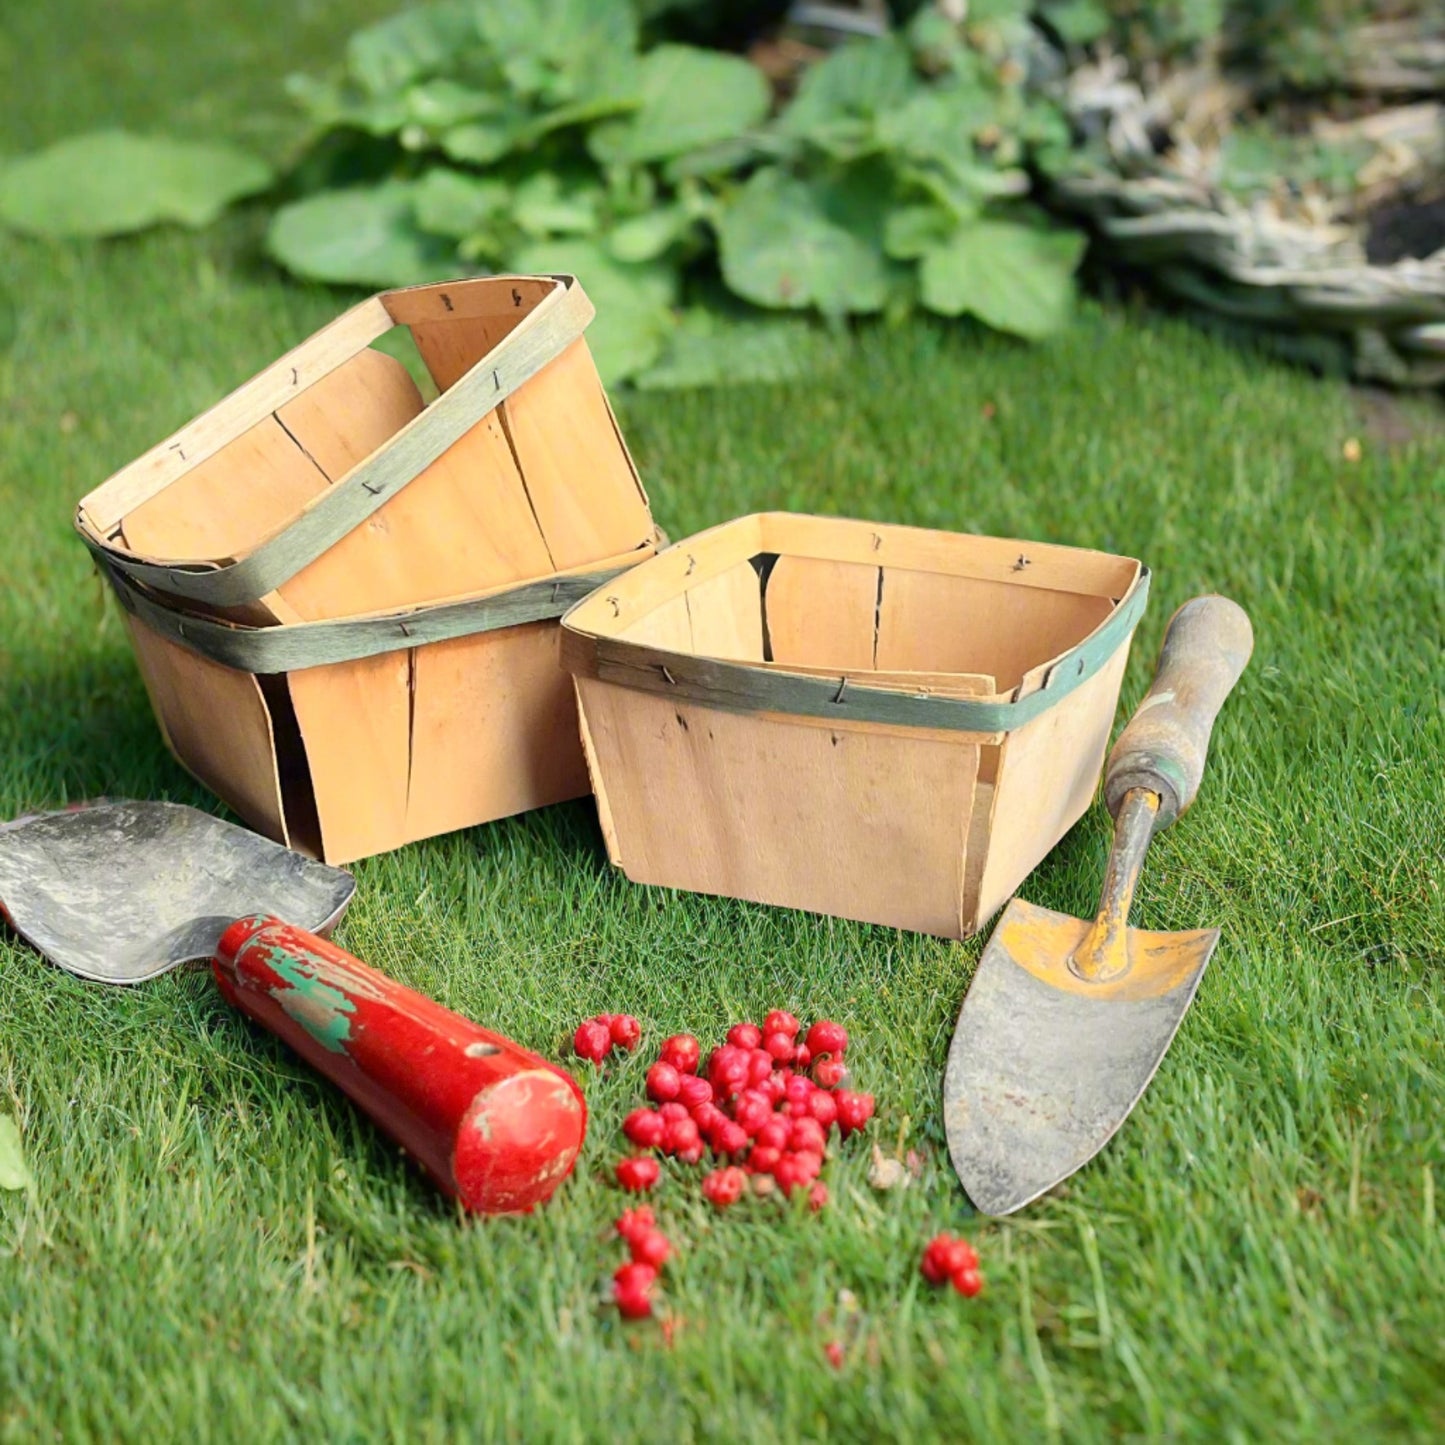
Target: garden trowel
[(120, 892), (1066, 1020)]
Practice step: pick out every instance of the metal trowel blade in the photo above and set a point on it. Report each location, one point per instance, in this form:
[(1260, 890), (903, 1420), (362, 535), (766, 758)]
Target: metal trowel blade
[(120, 892), (1045, 1067)]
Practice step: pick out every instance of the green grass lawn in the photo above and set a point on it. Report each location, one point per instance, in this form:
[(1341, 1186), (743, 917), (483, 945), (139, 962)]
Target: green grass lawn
[(219, 1247)]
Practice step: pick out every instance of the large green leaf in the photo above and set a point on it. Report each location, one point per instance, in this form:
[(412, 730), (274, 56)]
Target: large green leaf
[(1017, 278), (788, 242), (14, 1174), (454, 203), (560, 51), (690, 98), (429, 40), (841, 98), (634, 303), (368, 236), (547, 203), (107, 183)]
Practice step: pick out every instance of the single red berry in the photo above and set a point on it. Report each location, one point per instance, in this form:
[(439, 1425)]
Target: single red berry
[(802, 1056), (692, 1091), (644, 1127), (692, 1154), (799, 1089), (651, 1247), (954, 1255), (968, 1282), (745, 1036), (807, 1133), (826, 1037), (592, 1040), (635, 1221), (763, 1159), (818, 1196), (673, 1110), (830, 1073), (833, 1351), (788, 1173), (638, 1173), (752, 1110), (774, 1134), (709, 1119), (854, 1110), (823, 1106), (625, 1030), (774, 1087), (683, 1135), (780, 1021), (632, 1290), (731, 1138), (760, 1065), (780, 1046), (724, 1186), (808, 1163), (682, 1051), (662, 1081)]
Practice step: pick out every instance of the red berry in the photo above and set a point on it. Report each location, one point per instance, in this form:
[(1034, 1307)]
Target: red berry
[(745, 1036), (968, 1282), (673, 1110), (592, 1040), (807, 1133), (799, 1089), (635, 1222), (691, 1154), (946, 1257), (709, 1119), (682, 1051), (632, 1290), (826, 1037), (774, 1134), (781, 1022), (644, 1127), (731, 1138), (651, 1247), (817, 1196), (854, 1110), (752, 1110), (788, 1173), (780, 1046), (802, 1056), (808, 1163), (764, 1159), (683, 1135), (662, 1081), (724, 1186), (692, 1091), (760, 1065), (774, 1088), (833, 1351), (823, 1106), (626, 1032), (829, 1073), (638, 1173)]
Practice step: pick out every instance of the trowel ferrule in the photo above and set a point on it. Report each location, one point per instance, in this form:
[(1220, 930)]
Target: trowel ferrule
[(1104, 952)]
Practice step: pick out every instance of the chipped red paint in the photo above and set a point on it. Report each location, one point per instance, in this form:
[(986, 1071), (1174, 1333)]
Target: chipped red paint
[(496, 1126)]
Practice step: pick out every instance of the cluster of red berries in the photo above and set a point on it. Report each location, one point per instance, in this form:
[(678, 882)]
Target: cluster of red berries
[(766, 1104), (650, 1249), (952, 1261), (596, 1038)]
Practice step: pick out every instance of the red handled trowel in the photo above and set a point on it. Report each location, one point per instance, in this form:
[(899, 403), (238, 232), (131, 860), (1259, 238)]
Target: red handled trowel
[(1066, 1020)]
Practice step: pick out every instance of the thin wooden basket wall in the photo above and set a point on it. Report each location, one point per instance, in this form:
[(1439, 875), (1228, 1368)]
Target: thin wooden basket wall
[(521, 475), (881, 723)]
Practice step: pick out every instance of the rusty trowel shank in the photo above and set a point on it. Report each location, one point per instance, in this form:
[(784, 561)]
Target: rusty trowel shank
[(1067, 1020)]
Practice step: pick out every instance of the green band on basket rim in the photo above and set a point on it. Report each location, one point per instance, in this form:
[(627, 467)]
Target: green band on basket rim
[(317, 644), (738, 687)]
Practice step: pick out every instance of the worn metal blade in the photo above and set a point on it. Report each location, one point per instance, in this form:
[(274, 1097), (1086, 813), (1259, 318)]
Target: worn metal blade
[(121, 892), (1045, 1067)]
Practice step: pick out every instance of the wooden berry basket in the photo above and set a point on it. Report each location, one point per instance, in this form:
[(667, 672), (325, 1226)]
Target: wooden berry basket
[(344, 601), (882, 723)]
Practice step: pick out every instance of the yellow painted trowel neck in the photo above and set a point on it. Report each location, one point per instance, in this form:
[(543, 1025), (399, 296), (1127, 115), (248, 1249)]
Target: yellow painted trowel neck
[(1104, 952)]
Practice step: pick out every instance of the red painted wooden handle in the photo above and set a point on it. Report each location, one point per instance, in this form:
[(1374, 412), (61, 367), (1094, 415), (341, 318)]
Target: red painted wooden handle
[(496, 1126)]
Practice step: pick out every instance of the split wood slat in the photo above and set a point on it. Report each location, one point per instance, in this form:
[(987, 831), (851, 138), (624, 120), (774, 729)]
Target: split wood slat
[(894, 814)]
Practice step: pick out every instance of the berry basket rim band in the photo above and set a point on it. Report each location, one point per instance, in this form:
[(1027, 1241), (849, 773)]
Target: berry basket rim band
[(292, 646), (738, 687), (537, 340)]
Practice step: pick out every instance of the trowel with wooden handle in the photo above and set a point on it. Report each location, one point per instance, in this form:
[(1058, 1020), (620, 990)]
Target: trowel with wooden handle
[(1066, 1020), (120, 892)]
